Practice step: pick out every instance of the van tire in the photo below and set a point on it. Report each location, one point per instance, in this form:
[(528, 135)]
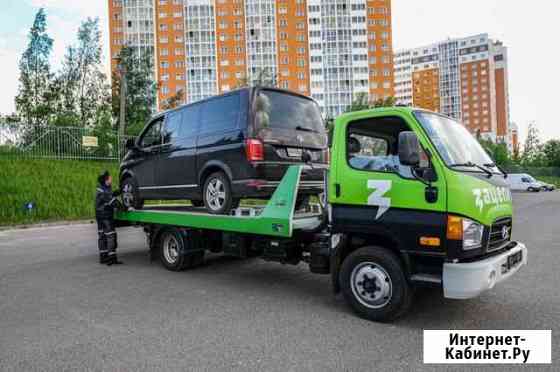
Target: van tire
[(130, 194), (384, 274), (217, 194)]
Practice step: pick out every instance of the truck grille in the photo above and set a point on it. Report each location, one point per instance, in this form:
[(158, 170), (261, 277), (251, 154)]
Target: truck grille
[(498, 236)]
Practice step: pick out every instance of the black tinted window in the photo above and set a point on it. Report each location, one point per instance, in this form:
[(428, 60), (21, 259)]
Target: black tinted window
[(152, 136), (287, 111), (219, 114), (190, 121), (172, 126)]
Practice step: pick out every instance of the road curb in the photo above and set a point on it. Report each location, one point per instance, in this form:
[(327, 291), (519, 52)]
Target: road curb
[(46, 224)]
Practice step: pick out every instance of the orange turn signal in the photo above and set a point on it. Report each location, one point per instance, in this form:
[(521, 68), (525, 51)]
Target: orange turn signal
[(454, 228), (430, 241)]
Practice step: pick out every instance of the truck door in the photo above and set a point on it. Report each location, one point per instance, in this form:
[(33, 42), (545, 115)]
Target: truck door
[(373, 192)]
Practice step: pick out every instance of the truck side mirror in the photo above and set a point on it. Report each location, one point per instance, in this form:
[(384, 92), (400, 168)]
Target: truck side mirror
[(409, 149), (130, 143)]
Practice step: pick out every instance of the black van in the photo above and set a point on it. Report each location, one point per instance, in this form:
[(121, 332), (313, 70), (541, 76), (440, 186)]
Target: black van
[(225, 148)]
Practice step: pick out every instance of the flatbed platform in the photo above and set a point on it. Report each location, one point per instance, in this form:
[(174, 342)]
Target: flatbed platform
[(277, 218)]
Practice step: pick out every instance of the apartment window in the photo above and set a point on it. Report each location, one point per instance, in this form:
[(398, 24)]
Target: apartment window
[(300, 25), (301, 76), (301, 62), (285, 72), (180, 64), (284, 60), (162, 15), (178, 39), (163, 52), (283, 23), (163, 39), (164, 64), (180, 77), (178, 51), (177, 26), (163, 27), (165, 77), (165, 89), (282, 10), (178, 14)]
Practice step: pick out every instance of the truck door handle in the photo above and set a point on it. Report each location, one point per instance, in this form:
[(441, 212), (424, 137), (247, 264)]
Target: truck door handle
[(337, 189)]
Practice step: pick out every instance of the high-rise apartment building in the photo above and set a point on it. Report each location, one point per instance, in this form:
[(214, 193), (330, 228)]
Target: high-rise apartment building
[(465, 78), (331, 50)]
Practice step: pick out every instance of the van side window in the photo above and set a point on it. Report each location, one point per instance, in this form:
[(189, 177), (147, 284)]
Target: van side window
[(172, 126), (152, 136), (220, 114), (189, 125), (525, 180)]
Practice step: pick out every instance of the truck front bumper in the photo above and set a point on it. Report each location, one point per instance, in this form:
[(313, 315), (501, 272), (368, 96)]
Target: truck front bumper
[(468, 280)]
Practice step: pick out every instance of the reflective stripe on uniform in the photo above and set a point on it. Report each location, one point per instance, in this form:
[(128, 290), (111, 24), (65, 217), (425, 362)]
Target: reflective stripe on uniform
[(111, 233)]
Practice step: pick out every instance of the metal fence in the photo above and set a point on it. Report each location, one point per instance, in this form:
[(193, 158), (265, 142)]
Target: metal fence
[(52, 142)]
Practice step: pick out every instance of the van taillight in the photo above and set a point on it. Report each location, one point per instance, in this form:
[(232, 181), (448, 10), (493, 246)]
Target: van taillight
[(254, 150), (327, 156)]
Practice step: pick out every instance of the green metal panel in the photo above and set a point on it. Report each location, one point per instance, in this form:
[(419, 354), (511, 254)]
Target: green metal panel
[(275, 220)]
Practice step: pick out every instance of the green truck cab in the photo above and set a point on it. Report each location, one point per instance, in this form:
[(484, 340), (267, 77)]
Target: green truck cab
[(415, 200)]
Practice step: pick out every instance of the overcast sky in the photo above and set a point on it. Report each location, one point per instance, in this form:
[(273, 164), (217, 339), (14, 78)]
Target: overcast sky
[(527, 28)]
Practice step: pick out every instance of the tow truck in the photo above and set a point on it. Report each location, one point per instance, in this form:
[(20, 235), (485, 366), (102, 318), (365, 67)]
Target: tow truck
[(411, 199)]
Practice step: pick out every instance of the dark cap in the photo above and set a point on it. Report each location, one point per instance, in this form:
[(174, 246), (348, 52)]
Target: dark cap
[(103, 177)]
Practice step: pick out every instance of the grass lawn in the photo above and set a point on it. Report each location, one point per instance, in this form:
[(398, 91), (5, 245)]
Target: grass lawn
[(60, 189)]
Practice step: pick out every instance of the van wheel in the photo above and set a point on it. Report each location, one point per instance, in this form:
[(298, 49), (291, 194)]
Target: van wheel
[(373, 282), (172, 252), (217, 194), (130, 194)]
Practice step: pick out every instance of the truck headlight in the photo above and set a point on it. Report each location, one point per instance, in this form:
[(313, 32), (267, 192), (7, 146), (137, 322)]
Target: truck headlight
[(468, 231), (472, 234)]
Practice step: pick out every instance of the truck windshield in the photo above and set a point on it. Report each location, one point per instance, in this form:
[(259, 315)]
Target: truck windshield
[(287, 111), (456, 146)]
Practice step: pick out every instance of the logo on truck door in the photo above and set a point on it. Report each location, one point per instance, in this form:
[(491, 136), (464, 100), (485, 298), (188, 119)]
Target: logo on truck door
[(379, 188)]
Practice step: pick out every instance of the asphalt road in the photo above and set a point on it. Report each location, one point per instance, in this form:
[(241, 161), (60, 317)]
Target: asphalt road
[(61, 310)]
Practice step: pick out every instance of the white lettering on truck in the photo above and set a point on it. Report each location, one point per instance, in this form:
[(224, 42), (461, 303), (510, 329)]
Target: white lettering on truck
[(491, 196)]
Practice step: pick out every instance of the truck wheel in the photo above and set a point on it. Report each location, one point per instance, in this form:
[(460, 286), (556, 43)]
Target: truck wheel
[(373, 282), (172, 256), (130, 194), (217, 194)]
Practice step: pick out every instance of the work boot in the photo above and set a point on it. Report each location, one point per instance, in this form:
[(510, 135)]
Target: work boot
[(114, 261), (103, 258)]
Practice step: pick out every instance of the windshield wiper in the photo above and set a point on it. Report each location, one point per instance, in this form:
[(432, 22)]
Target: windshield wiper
[(304, 129), (470, 164), (493, 165)]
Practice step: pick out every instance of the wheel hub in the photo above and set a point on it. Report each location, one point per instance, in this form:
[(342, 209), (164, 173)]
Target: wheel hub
[(215, 194), (170, 249), (371, 285), (128, 196)]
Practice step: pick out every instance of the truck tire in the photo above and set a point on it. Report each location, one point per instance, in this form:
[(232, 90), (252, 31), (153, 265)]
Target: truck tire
[(374, 283), (172, 251)]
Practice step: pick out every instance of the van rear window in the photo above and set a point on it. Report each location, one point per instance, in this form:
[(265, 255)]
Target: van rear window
[(286, 111)]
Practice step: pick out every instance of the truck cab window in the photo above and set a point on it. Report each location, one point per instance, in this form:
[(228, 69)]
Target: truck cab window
[(152, 136), (372, 145)]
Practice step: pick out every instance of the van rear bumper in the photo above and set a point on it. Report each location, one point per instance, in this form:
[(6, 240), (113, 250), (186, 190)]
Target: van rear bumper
[(254, 188), (470, 279)]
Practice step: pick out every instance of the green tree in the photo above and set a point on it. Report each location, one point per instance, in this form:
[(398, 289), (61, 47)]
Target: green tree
[(141, 88), (532, 149), (81, 87), (32, 100), (497, 151), (361, 102), (551, 151), (174, 101)]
